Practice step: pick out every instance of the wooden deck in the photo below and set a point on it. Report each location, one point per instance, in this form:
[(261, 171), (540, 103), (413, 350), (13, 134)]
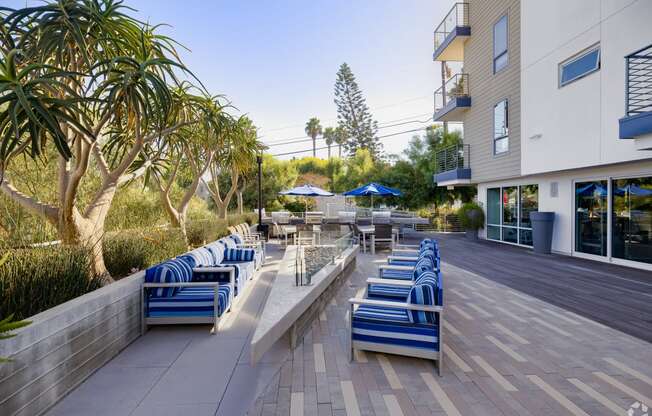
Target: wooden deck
[(512, 344), (619, 297)]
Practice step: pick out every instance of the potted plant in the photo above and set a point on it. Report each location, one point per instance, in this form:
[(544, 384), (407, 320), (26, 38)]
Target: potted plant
[(471, 218)]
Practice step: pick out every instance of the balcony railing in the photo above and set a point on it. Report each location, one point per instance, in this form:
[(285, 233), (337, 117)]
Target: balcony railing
[(638, 93), (453, 158), (457, 86), (457, 17)]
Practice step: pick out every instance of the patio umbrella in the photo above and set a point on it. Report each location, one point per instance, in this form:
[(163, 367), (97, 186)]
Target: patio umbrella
[(306, 190), (372, 189)]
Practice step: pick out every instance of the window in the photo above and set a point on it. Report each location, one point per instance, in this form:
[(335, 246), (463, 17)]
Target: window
[(501, 130), (591, 217), (579, 66), (508, 213), (501, 56), (631, 224)]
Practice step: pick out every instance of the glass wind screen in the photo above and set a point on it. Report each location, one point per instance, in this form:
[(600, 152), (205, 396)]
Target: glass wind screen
[(631, 228), (579, 67), (591, 217)]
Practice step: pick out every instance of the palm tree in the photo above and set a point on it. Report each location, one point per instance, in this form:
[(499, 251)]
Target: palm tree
[(313, 129), (340, 138), (329, 136)]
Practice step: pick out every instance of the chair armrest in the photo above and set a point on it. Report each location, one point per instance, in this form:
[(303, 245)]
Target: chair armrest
[(396, 305), (182, 284), (390, 282), (404, 258), (395, 267), (406, 247)]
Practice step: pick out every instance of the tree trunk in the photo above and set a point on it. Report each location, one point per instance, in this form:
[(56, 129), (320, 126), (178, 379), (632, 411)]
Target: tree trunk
[(240, 202), (314, 146), (329, 152), (340, 151)]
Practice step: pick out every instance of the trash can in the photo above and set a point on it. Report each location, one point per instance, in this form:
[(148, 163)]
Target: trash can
[(264, 230), (542, 226)]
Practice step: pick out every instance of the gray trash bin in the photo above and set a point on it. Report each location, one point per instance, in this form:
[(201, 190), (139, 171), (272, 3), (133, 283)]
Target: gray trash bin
[(542, 225)]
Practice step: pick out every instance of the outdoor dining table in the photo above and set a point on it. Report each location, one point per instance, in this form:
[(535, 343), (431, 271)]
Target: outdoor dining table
[(364, 230)]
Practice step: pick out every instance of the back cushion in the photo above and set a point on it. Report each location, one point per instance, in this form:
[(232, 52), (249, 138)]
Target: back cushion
[(237, 238), (423, 265), (217, 251), (239, 254), (170, 271), (228, 242), (422, 294)]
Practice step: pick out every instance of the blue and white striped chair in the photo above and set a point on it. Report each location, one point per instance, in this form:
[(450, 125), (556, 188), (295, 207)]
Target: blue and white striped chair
[(411, 327), (243, 259), (170, 296), (406, 255), (400, 272), (202, 257), (257, 246)]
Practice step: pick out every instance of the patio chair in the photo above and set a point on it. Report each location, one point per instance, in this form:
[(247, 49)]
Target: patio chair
[(410, 257), (176, 293), (314, 217), (383, 235), (346, 217), (381, 217), (410, 327), (225, 252), (256, 245), (363, 235), (212, 255), (284, 232), (409, 272)]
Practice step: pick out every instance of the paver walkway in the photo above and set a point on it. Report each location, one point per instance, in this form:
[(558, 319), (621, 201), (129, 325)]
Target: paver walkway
[(506, 353)]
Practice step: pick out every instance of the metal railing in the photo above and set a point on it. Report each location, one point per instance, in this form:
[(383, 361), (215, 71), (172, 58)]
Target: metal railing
[(638, 82), (453, 157), (455, 86), (457, 16)]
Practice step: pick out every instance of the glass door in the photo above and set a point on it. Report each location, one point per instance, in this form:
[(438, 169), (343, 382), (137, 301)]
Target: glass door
[(631, 224), (591, 217)]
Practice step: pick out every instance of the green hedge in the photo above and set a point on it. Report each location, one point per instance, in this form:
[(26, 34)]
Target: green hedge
[(33, 280), (202, 231), (128, 251)]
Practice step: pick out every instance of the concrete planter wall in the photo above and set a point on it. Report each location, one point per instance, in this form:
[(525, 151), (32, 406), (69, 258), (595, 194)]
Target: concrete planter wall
[(66, 344)]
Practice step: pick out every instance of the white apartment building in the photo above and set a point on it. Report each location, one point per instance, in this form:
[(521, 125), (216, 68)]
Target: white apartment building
[(559, 118)]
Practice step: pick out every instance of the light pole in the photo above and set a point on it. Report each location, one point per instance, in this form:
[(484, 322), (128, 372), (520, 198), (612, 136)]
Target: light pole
[(259, 160)]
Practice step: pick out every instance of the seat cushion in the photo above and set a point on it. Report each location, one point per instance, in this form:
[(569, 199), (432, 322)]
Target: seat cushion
[(388, 328), (396, 274), (170, 271), (190, 301), (387, 292)]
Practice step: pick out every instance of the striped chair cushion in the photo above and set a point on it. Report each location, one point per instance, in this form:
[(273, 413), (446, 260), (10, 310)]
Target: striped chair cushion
[(427, 276), (228, 242), (199, 257), (237, 238), (217, 251), (170, 271), (396, 331), (190, 301), (424, 293), (239, 254), (396, 274), (423, 264), (387, 292), (378, 313)]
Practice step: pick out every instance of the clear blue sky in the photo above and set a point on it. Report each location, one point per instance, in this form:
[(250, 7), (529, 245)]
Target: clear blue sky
[(277, 60)]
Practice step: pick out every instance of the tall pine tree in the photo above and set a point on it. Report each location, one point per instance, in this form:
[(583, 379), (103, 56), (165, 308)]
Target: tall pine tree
[(353, 115)]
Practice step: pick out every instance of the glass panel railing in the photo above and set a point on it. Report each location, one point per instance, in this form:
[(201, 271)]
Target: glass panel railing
[(455, 86), (457, 16)]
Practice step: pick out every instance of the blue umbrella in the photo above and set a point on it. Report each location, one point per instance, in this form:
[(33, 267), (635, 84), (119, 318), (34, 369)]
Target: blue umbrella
[(372, 189), (306, 190)]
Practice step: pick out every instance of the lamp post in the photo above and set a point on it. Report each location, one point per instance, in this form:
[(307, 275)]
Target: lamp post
[(259, 160)]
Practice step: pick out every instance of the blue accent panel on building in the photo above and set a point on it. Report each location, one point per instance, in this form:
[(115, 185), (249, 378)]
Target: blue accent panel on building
[(452, 175), (457, 102), (634, 126), (458, 31)]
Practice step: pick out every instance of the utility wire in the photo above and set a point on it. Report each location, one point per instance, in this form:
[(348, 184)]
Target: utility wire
[(326, 147)]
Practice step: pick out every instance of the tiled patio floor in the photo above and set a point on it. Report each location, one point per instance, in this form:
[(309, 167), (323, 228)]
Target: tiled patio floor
[(506, 353)]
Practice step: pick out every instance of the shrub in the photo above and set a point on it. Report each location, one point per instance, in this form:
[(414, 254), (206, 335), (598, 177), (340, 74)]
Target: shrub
[(471, 216), (35, 279), (130, 250), (203, 231)]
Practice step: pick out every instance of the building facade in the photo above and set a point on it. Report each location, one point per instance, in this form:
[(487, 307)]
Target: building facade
[(559, 119)]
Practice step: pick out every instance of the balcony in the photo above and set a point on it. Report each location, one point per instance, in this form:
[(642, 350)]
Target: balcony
[(637, 123), (451, 34), (452, 99), (453, 166)]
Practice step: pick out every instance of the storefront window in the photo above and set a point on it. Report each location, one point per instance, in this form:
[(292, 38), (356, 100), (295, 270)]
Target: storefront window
[(631, 224), (510, 205), (493, 213), (591, 217)]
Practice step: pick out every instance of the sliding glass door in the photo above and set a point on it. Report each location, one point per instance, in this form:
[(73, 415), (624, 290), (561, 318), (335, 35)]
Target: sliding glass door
[(508, 213), (591, 217), (631, 219)]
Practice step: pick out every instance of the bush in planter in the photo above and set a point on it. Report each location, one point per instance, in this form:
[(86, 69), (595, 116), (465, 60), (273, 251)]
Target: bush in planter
[(130, 250), (471, 216), (35, 279)]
